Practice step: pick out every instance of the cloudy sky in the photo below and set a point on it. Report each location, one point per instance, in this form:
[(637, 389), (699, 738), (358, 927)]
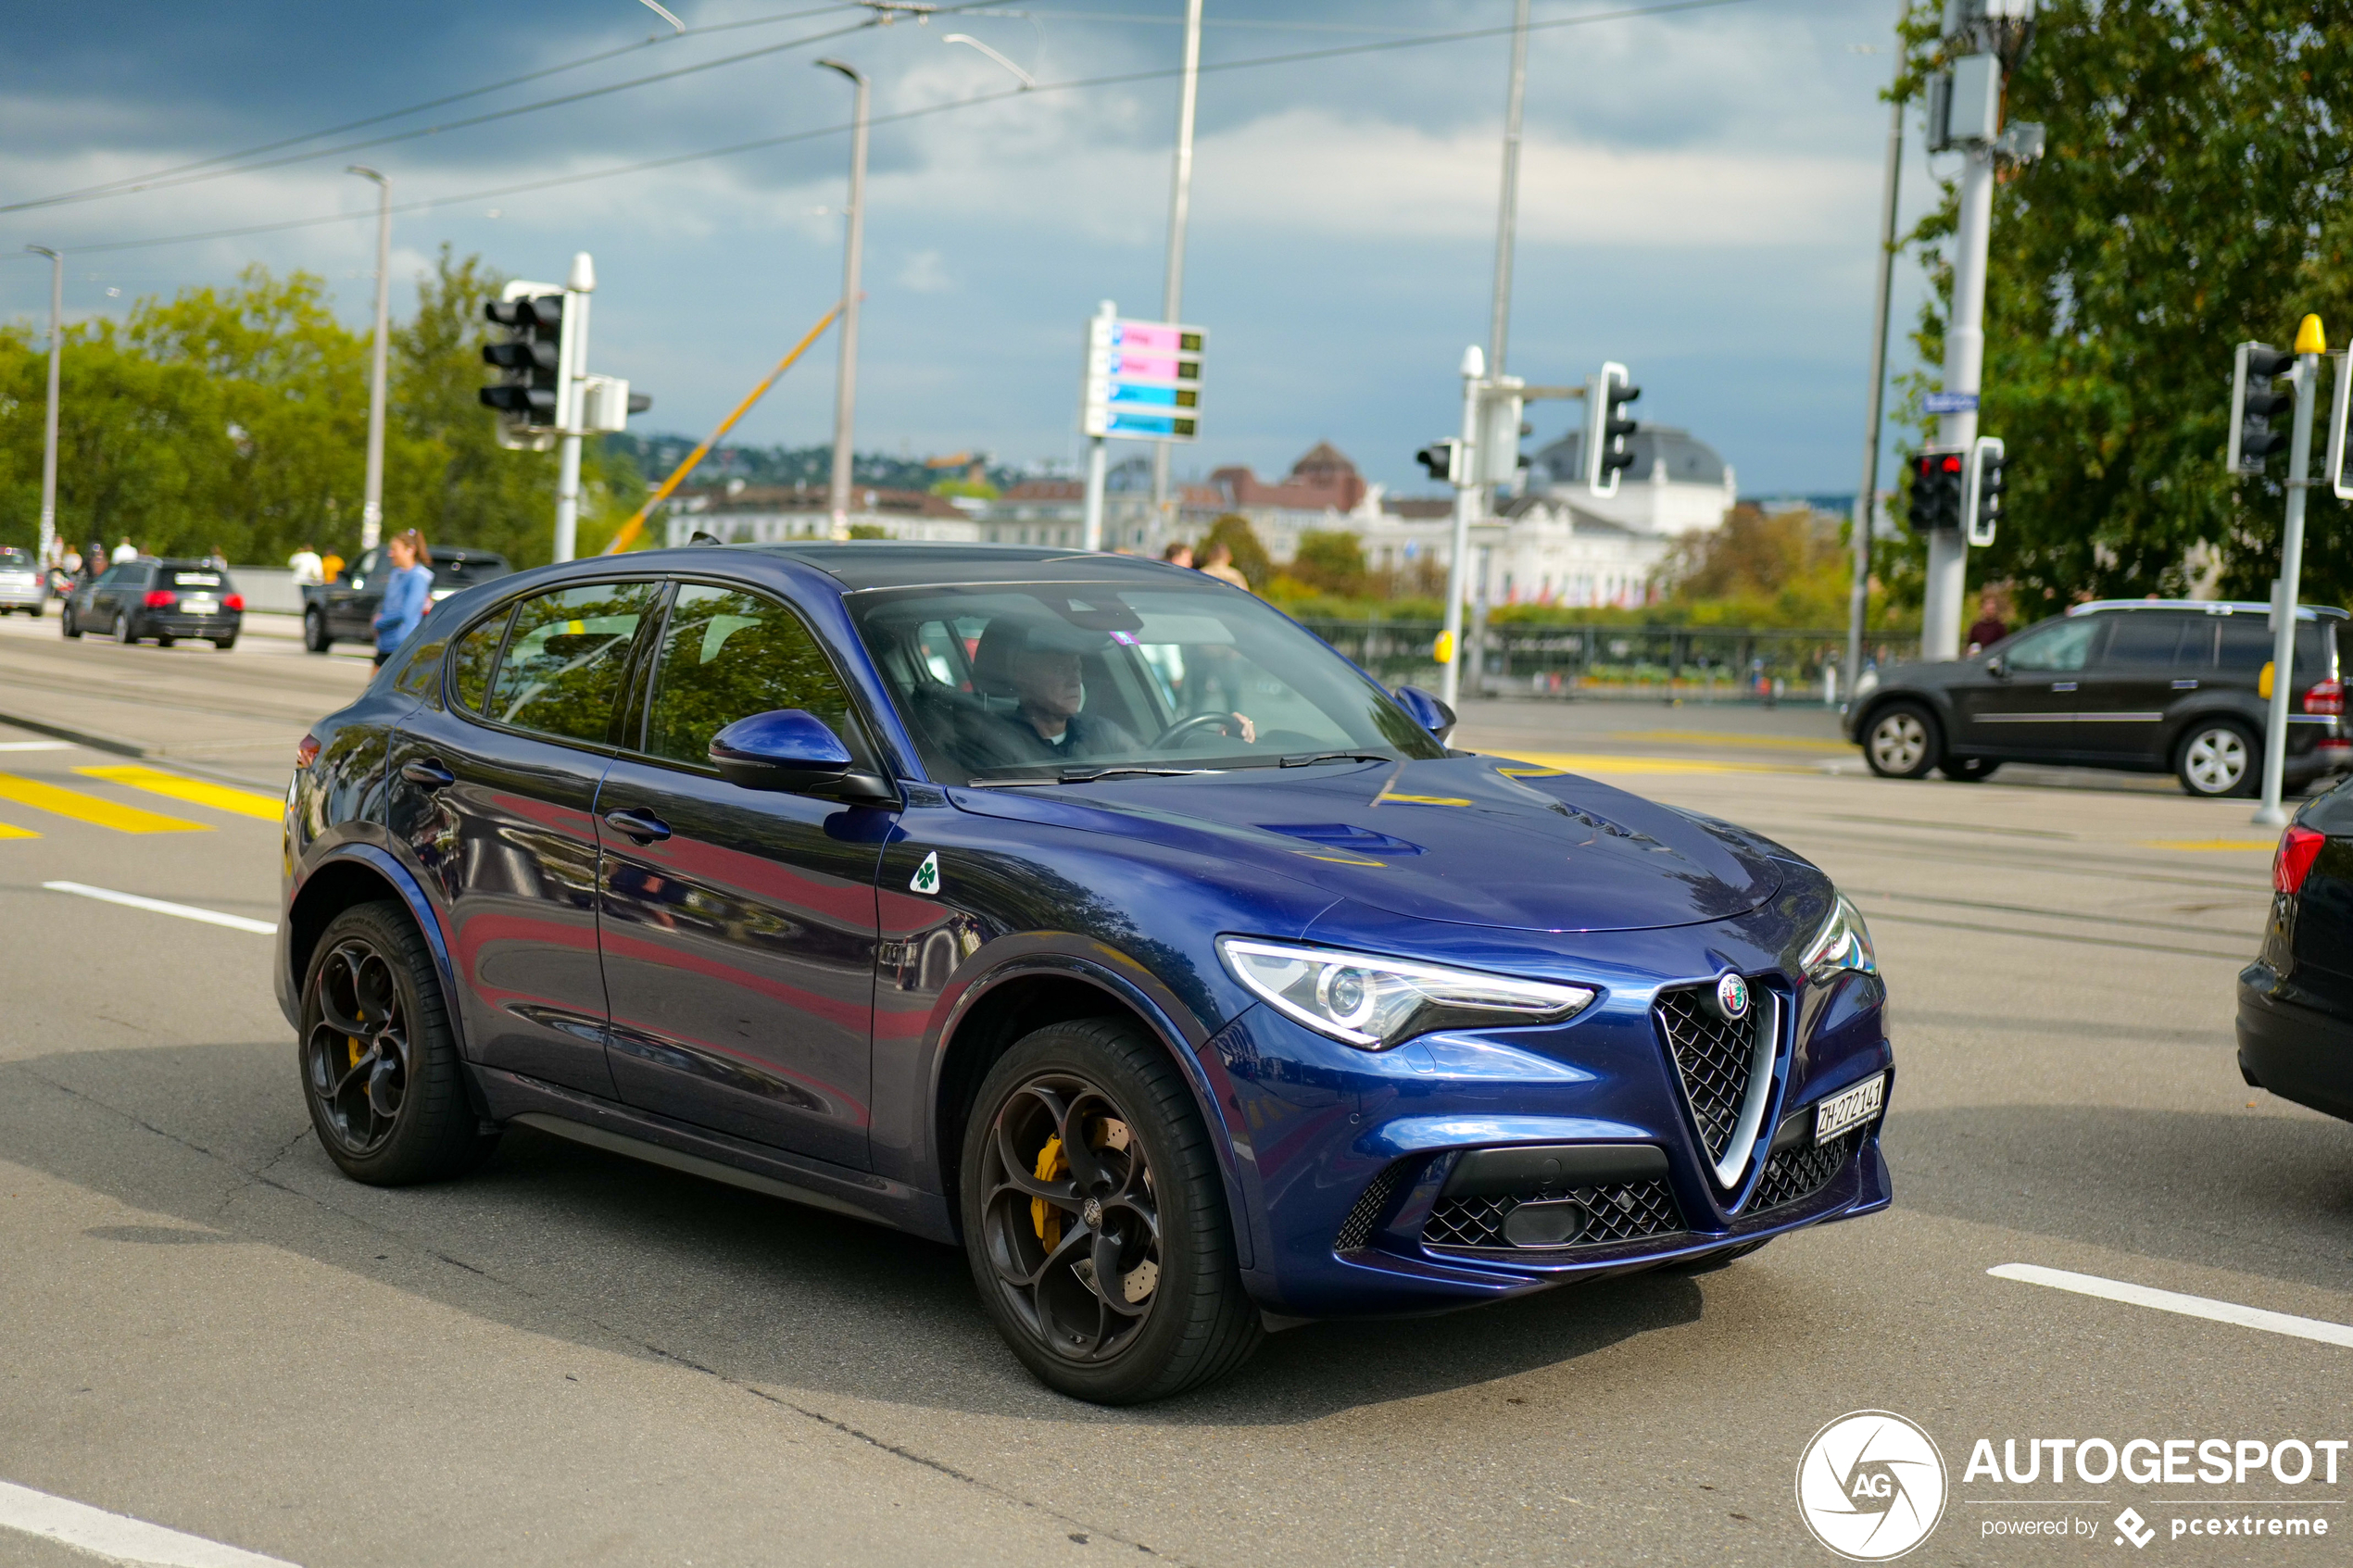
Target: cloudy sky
[(1700, 194)]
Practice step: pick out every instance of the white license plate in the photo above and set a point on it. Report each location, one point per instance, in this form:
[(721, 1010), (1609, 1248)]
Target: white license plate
[(1845, 1109), (198, 606)]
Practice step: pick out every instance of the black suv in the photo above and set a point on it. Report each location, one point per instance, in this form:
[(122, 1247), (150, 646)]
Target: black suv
[(345, 610), (163, 599), (2148, 685)]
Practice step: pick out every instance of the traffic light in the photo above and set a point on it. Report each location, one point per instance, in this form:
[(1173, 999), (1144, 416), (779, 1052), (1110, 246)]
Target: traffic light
[(528, 395), (1981, 497), (2253, 405), (1937, 481), (1606, 432), (1443, 459)]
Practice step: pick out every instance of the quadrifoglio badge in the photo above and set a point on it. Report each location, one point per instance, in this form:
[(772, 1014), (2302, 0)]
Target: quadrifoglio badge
[(1873, 1485)]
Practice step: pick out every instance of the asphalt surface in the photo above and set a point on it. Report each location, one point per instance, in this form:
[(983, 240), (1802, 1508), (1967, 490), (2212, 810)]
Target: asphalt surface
[(574, 1358)]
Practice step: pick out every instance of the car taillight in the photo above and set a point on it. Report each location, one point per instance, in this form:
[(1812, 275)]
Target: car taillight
[(2327, 697), (235, 601), (161, 598), (2299, 846), (307, 752)]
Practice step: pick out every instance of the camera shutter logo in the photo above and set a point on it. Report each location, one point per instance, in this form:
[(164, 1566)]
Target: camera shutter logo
[(1870, 1485)]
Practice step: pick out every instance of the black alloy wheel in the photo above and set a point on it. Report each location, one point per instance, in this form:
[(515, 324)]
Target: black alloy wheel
[(1903, 742), (225, 644), (2219, 757), (1968, 770), (380, 1069), (126, 628), (314, 631), (1095, 1218), (67, 625)]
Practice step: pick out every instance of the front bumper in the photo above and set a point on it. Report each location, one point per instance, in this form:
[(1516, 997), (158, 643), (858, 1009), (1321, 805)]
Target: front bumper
[(1348, 1155), (23, 598)]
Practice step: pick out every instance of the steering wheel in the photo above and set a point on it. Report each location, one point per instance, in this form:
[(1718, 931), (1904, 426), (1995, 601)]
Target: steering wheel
[(1184, 727)]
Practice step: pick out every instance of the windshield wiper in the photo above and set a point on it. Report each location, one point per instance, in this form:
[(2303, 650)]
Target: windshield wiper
[(1089, 776), (1309, 759)]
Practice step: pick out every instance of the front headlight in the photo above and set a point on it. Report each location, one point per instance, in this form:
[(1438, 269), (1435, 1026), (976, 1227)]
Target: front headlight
[(1844, 943), (1375, 1002)]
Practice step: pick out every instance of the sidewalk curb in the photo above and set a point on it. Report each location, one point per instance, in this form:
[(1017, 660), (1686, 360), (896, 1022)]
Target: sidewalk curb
[(115, 745)]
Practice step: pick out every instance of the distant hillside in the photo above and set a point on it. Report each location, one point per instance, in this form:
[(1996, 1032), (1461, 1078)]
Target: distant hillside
[(657, 454)]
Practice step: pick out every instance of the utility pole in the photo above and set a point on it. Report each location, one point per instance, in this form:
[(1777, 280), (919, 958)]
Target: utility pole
[(845, 378), (1866, 497), (1467, 488), (2310, 346), (49, 439), (371, 502), (571, 368), (1499, 329), (1180, 201), (1092, 538)]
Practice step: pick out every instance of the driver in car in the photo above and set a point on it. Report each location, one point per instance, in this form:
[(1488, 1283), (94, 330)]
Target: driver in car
[(1049, 691)]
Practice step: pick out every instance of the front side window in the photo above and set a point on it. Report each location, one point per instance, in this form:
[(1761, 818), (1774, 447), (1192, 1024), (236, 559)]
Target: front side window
[(2062, 646), (568, 659), (1032, 679), (357, 573), (727, 654)]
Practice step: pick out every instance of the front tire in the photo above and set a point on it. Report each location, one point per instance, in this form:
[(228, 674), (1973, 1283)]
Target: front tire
[(126, 630), (314, 631), (1095, 1218), (67, 626), (2218, 758), (1902, 742), (1968, 770), (380, 1069)]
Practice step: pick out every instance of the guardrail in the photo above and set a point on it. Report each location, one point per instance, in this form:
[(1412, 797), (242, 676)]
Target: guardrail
[(1687, 663)]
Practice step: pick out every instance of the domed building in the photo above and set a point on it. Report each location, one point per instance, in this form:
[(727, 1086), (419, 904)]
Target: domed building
[(1677, 483)]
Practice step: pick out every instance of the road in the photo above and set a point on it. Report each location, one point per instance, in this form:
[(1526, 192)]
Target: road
[(574, 1358)]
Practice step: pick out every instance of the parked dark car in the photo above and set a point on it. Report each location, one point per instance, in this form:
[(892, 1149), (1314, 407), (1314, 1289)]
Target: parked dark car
[(163, 599), (1079, 910), (23, 585), (2295, 1000), (345, 610), (2148, 685)]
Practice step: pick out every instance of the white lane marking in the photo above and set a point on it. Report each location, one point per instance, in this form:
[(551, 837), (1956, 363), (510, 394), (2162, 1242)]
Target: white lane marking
[(2174, 1301), (36, 745), (117, 1537), (185, 912)]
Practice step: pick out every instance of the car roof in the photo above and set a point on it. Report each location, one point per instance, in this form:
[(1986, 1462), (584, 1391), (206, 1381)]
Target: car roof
[(864, 565), (2209, 607)]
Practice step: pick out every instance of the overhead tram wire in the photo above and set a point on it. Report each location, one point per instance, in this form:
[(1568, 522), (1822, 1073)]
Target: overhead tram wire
[(131, 183), (1122, 79)]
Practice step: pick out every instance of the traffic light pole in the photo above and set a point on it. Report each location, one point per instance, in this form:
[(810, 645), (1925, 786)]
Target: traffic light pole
[(2308, 349), (852, 254), (1180, 203), (1867, 496), (1964, 369), (571, 371), (372, 496), (1474, 370), (49, 436)]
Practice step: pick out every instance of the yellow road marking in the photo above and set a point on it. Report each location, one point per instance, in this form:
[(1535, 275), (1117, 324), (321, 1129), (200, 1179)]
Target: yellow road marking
[(1704, 738), (10, 830), (90, 809), (2266, 844), (196, 792)]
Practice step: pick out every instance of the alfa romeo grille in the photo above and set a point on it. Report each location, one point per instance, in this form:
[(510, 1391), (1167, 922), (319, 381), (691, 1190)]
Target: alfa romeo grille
[(1623, 1212), (1794, 1173), (1355, 1230), (1714, 1059)]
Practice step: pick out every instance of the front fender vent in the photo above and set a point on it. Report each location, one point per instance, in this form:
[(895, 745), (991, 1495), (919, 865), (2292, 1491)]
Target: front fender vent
[(1365, 1217)]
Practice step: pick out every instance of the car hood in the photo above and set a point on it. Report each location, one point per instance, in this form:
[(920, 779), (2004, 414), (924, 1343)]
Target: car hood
[(1469, 840)]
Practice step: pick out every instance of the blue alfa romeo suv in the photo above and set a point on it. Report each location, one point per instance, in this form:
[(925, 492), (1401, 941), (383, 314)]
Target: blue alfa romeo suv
[(1080, 911)]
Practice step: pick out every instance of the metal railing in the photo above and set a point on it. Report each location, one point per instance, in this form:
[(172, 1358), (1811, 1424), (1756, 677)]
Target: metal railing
[(1694, 663)]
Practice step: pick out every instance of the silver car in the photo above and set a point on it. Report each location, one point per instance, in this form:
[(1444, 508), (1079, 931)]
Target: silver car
[(23, 586)]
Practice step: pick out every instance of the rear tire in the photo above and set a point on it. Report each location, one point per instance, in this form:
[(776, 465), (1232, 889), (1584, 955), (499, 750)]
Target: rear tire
[(2218, 759), (163, 642), (67, 626), (126, 630), (1903, 742), (1147, 1203), (379, 1064), (225, 644), (314, 631), (1968, 770)]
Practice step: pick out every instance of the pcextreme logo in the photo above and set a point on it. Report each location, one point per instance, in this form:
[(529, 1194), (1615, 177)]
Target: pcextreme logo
[(1870, 1485)]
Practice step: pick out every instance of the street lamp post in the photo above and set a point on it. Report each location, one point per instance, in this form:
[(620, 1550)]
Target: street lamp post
[(845, 378), (1506, 220), (1180, 205), (1866, 497), (371, 502), (49, 439)]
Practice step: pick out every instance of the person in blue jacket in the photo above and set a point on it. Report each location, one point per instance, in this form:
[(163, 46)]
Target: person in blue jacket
[(408, 595)]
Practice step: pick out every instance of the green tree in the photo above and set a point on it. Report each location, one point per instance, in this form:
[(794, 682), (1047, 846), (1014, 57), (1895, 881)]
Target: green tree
[(2192, 196), (1250, 559), (1760, 569), (1330, 561)]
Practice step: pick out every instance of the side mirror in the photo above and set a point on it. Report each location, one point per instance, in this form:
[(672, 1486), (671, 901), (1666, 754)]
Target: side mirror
[(1996, 668), (1428, 712), (791, 751)]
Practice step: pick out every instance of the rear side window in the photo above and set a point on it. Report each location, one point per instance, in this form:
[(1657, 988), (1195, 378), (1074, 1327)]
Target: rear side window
[(470, 670), (727, 654), (2245, 646), (567, 660), (2142, 640)]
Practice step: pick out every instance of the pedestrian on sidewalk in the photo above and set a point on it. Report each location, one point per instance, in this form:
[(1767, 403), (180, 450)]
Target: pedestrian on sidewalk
[(93, 559), (1989, 628), (1219, 563), (308, 569), (407, 592), (1178, 553), (126, 551)]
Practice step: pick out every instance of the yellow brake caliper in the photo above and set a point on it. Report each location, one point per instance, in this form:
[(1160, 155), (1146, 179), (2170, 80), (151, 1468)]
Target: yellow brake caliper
[(1052, 1167)]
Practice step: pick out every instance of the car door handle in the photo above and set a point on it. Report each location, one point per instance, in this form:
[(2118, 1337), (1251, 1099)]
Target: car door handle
[(426, 773), (2185, 686), (642, 826), (2062, 685)]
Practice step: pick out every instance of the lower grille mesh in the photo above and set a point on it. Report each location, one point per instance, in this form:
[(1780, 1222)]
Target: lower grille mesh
[(1624, 1211), (1355, 1230), (1795, 1173)]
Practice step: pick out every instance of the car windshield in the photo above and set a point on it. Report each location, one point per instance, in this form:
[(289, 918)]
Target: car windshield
[(467, 572), (1068, 680)]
